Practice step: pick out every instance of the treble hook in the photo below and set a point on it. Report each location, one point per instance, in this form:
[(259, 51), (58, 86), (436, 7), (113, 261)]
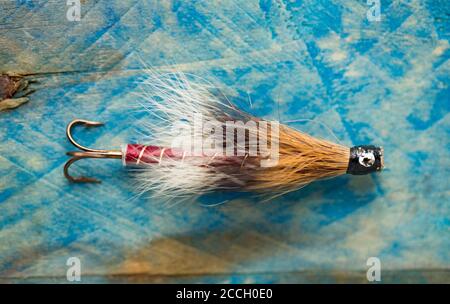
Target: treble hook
[(88, 152)]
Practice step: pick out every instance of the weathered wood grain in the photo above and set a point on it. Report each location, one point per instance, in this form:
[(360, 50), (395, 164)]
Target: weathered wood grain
[(378, 82)]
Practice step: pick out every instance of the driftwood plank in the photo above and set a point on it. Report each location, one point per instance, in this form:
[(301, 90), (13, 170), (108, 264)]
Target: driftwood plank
[(383, 82)]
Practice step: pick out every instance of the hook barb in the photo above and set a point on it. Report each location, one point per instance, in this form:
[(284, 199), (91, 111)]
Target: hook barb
[(85, 152)]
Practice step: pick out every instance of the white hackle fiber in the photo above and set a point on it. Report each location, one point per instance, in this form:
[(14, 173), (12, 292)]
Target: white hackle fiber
[(176, 98)]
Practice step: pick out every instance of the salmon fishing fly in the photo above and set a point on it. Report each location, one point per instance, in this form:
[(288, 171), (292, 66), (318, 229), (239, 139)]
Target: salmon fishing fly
[(196, 141)]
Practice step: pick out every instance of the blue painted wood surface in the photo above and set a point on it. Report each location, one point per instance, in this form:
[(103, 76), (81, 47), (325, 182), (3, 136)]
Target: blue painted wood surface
[(385, 83)]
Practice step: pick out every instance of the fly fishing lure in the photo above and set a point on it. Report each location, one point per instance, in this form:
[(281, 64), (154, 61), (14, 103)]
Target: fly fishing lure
[(196, 141)]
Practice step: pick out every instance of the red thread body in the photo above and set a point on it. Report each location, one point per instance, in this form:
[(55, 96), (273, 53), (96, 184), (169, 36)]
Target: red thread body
[(136, 154)]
